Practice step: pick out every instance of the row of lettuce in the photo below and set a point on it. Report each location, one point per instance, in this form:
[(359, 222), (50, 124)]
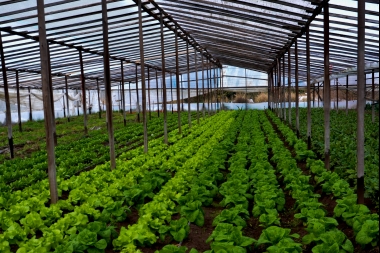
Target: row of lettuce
[(364, 223), (74, 156), (101, 197), (343, 145)]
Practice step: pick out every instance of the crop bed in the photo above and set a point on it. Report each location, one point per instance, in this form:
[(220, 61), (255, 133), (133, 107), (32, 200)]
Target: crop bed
[(343, 146), (237, 182)]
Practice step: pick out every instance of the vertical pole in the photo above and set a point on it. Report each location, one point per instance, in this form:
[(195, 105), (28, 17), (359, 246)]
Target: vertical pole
[(171, 91), (100, 107), (188, 85), (203, 85), (8, 114), (30, 105), (149, 106), (318, 94), (165, 100), (283, 88), (326, 88), (18, 102), (67, 98), (64, 104), (308, 88), (196, 82), (158, 95), (45, 76), (142, 62), (123, 92), (137, 94), (313, 95), (297, 89), (246, 90), (182, 96), (347, 95), (77, 102), (373, 97), (51, 97), (361, 100), (130, 97), (83, 92), (279, 85), (337, 95), (290, 87), (177, 80), (89, 102), (107, 84), (208, 87), (222, 80)]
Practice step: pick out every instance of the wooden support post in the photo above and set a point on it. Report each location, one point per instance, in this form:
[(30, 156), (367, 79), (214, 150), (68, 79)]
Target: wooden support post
[(67, 99), (137, 94), (158, 95), (361, 101), (98, 89), (279, 86), (149, 105), (177, 80), (182, 96), (196, 83), (18, 102), (246, 90), (373, 97), (8, 115), (165, 100), (171, 91), (107, 85), (208, 87), (188, 85), (83, 82), (46, 93), (77, 103), (142, 64), (337, 95), (283, 88), (326, 88), (347, 95), (290, 88), (308, 67), (30, 105), (203, 85), (130, 98), (297, 89), (123, 93), (89, 102)]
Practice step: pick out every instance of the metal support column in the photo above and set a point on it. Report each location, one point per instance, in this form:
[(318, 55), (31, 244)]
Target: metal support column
[(8, 114), (188, 85), (83, 85), (18, 102), (290, 88), (158, 95), (165, 100), (177, 80), (373, 97), (30, 105), (308, 69), (203, 85), (98, 89), (142, 62), (347, 95), (297, 89), (45, 76), (196, 81), (123, 92), (361, 101), (107, 84), (67, 98), (283, 89), (137, 93), (326, 88), (130, 97), (149, 105)]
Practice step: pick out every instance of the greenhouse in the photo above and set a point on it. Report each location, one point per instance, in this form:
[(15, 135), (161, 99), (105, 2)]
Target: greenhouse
[(189, 126)]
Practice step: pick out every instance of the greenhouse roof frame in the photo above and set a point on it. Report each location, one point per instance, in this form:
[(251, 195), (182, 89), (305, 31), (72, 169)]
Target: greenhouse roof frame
[(238, 33)]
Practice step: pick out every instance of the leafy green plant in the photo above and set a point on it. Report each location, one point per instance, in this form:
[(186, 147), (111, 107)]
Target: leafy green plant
[(178, 229), (234, 215), (273, 235), (194, 213), (229, 234), (369, 233), (270, 218), (333, 241), (175, 249)]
